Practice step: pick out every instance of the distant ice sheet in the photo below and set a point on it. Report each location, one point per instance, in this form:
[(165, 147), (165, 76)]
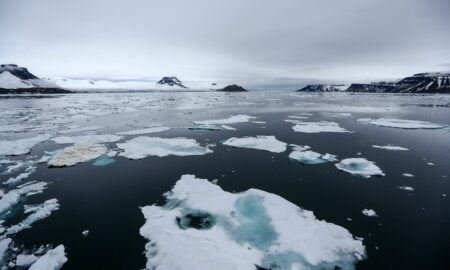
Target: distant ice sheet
[(401, 123), (268, 143), (21, 146), (360, 166), (203, 227), (141, 147), (241, 118)]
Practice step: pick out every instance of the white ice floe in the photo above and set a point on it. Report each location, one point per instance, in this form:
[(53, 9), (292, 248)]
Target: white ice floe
[(316, 127), (78, 153), (4, 246), (359, 166), (390, 147), (87, 139), (141, 147), (241, 118), (54, 259), (268, 143), (22, 176), (407, 188), (36, 213), (369, 213), (228, 127), (203, 227), (12, 197), (25, 260), (21, 146), (401, 123), (85, 233), (310, 157), (144, 131), (408, 175)]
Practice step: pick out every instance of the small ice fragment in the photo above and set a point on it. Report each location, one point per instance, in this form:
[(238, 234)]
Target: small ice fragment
[(14, 180), (430, 164), (85, 233), (78, 153), (406, 188), (228, 127), (141, 147), (54, 259), (21, 146), (369, 213), (4, 246), (144, 131), (408, 175), (241, 118), (390, 147), (258, 122), (268, 143), (359, 166), (401, 123)]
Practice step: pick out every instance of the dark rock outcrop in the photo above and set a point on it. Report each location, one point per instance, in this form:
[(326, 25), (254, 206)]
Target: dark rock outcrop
[(323, 88), (171, 81), (233, 88)]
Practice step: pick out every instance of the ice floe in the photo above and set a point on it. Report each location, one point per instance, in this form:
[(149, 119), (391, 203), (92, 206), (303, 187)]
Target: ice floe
[(241, 118), (407, 188), (369, 213), (144, 131), (141, 147), (401, 123), (12, 197), (36, 213), (408, 175), (316, 127), (308, 157), (4, 246), (203, 227), (54, 259), (21, 146), (87, 139), (390, 147), (359, 166), (85, 233), (25, 260), (22, 176), (268, 143), (78, 153)]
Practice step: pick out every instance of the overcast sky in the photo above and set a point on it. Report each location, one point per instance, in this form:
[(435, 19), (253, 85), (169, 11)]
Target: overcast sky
[(252, 40)]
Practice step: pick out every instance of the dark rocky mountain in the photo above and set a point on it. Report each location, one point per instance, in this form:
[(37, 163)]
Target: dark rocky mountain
[(424, 83), (379, 87), (324, 88), (19, 72), (233, 88), (171, 81)]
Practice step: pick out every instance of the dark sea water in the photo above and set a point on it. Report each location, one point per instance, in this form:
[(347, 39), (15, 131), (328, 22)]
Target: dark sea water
[(412, 230)]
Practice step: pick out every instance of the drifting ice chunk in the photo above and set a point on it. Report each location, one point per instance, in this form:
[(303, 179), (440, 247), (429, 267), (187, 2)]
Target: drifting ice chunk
[(54, 259), (21, 146), (268, 143), (401, 123), (4, 246), (141, 147), (85, 233), (390, 147), (87, 139), (14, 180), (11, 198), (37, 212), (408, 175), (359, 166), (311, 157), (406, 188), (241, 118), (316, 127), (369, 213), (25, 260), (203, 227), (144, 131), (72, 155)]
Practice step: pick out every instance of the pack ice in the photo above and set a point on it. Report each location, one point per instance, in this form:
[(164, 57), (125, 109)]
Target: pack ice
[(359, 166), (20, 146), (141, 147), (316, 127), (268, 143), (204, 227), (401, 123)]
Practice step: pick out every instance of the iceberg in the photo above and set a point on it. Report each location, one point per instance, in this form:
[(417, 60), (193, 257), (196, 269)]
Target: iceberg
[(359, 166), (78, 153), (53, 259), (267, 143), (308, 157), (390, 147), (144, 131), (87, 139), (316, 127), (204, 227), (401, 123), (21, 146), (241, 118), (141, 147)]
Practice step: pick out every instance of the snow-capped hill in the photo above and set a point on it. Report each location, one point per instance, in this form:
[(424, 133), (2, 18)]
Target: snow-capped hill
[(324, 88), (379, 87), (425, 83), (171, 81), (14, 79)]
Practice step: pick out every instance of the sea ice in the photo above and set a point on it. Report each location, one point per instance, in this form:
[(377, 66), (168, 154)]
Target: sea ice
[(36, 213), (25, 260), (87, 139), (144, 131), (203, 227), (390, 147), (4, 246), (12, 197), (316, 127), (408, 175), (54, 259), (241, 118), (359, 166), (14, 180), (21, 146), (369, 213), (78, 153), (401, 123), (268, 143), (104, 160), (85, 233), (141, 147), (407, 188), (307, 157)]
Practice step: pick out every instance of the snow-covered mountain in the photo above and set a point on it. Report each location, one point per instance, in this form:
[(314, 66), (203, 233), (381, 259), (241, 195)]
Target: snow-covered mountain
[(324, 88), (171, 81), (425, 83), (376, 87), (15, 79)]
